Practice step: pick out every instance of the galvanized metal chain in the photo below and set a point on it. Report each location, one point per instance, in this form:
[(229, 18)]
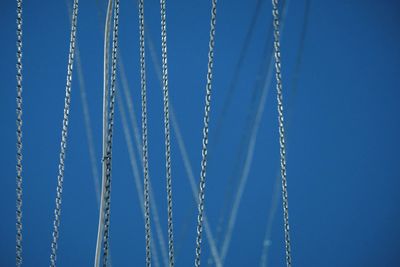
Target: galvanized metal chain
[(167, 132), (19, 137), (277, 54), (64, 133), (110, 128), (205, 134), (144, 133)]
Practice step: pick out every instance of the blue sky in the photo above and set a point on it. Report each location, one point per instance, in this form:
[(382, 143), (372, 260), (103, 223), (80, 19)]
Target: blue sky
[(341, 108)]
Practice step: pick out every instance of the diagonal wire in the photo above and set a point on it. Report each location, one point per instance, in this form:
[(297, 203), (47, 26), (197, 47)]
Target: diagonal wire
[(167, 132), (294, 85), (185, 157), (18, 248), (248, 159), (64, 133), (238, 67)]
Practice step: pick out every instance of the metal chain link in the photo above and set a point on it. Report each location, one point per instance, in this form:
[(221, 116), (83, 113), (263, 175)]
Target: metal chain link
[(277, 54), (167, 131), (19, 137), (144, 133), (64, 133), (110, 136), (205, 134)]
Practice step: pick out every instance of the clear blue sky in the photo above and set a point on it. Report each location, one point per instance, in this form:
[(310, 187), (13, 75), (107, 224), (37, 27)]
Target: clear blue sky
[(342, 132)]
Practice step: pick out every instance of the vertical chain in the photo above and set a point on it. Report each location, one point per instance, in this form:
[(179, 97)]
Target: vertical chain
[(64, 133), (167, 131), (19, 137), (205, 134), (277, 54), (110, 127), (144, 134)]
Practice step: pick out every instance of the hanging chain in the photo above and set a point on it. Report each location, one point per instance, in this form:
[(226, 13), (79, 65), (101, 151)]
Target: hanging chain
[(278, 76), (167, 131), (144, 134), (110, 136), (205, 134), (19, 137), (64, 133)]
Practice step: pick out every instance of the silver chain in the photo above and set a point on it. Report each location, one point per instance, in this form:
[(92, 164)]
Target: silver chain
[(19, 137), (167, 131), (277, 54), (110, 136), (205, 134), (64, 133), (144, 134)]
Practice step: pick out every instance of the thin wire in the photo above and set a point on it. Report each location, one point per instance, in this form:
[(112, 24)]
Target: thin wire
[(108, 158), (144, 133), (19, 138), (281, 130), (249, 155), (64, 133), (205, 134), (239, 65), (185, 157), (167, 131)]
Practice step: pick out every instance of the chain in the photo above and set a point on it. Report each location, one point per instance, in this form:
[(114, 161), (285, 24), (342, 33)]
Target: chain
[(144, 134), (19, 137), (167, 131), (64, 133), (278, 76), (109, 136), (205, 134)]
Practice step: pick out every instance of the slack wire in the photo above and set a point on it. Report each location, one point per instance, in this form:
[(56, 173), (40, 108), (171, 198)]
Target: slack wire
[(294, 84), (133, 120), (185, 157), (64, 134), (239, 64), (18, 246), (249, 154)]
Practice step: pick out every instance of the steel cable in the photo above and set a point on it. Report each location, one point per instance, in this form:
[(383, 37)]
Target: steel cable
[(64, 133)]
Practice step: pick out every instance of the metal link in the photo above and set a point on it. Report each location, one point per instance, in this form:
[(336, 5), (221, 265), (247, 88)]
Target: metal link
[(19, 138), (144, 134), (167, 131), (277, 54), (205, 134), (108, 156), (64, 133)]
